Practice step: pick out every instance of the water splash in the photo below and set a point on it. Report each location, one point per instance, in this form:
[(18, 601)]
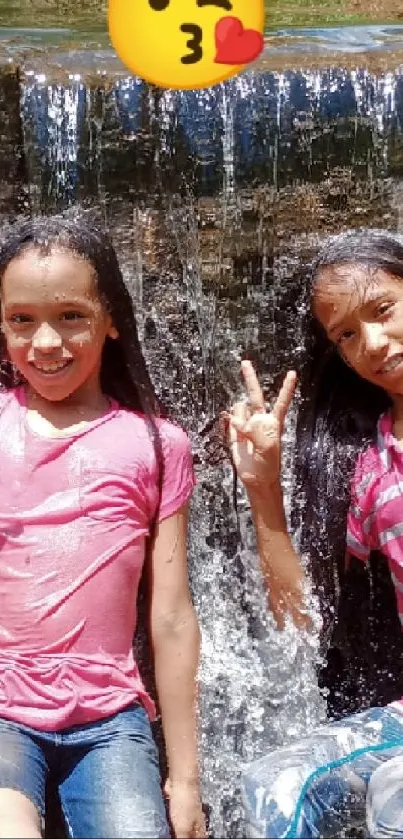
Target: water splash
[(222, 189)]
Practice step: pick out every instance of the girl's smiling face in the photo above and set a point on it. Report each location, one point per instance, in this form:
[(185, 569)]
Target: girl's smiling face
[(361, 310), (54, 323)]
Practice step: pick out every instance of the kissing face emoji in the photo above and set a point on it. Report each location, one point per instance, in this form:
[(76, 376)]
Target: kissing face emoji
[(186, 44)]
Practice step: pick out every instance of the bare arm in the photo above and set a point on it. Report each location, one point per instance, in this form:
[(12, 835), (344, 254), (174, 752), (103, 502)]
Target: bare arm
[(255, 438), (281, 565), (176, 640)]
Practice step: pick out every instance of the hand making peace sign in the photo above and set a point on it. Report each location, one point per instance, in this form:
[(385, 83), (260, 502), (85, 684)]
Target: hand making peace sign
[(255, 434)]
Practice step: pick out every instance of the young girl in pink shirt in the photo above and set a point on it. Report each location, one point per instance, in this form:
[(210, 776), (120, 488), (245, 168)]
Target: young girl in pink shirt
[(348, 502), (93, 483)]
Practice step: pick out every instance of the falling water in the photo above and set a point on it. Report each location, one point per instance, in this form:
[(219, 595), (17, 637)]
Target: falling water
[(211, 197), (54, 113)]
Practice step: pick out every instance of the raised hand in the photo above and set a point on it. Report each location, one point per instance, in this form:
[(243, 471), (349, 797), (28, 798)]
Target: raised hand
[(255, 434)]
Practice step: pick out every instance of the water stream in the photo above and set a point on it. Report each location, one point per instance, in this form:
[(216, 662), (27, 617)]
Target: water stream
[(210, 198)]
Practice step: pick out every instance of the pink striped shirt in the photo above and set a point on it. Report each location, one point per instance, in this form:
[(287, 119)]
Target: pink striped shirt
[(375, 519)]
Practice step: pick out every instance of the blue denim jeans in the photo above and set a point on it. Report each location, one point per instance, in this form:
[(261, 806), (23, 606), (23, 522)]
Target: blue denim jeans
[(107, 774), (346, 774)]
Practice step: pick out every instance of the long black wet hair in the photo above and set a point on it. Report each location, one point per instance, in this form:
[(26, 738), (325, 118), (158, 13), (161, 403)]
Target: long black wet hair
[(337, 418), (124, 375)]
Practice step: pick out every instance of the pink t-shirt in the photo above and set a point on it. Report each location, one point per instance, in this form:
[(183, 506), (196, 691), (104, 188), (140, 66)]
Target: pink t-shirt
[(375, 519), (75, 512)]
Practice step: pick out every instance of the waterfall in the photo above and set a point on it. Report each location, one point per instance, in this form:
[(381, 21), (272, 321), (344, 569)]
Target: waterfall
[(210, 196)]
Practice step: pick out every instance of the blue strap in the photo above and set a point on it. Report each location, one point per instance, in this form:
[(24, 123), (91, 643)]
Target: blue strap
[(327, 767)]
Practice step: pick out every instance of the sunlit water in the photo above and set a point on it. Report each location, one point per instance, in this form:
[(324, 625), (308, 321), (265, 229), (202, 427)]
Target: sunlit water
[(210, 198)]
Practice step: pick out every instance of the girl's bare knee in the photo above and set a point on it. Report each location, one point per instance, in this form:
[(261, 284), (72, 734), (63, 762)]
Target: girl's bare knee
[(18, 816)]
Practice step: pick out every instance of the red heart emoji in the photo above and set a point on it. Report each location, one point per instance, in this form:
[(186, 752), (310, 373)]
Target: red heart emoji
[(234, 44)]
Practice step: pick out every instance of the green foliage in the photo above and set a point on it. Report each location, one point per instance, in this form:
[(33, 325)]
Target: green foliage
[(90, 16)]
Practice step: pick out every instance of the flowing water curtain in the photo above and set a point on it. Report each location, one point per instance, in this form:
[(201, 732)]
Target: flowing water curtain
[(52, 118), (211, 198)]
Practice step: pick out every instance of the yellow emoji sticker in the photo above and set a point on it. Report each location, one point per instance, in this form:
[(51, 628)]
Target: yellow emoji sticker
[(186, 44)]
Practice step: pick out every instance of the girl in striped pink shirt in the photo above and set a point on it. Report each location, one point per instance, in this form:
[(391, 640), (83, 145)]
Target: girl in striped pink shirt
[(348, 503)]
